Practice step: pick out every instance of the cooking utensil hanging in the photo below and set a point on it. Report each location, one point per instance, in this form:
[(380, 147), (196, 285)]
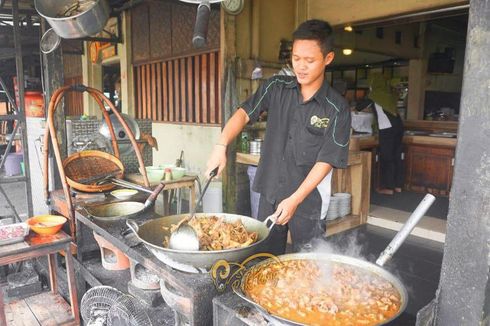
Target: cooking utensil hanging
[(355, 263), (76, 18), (185, 237), (49, 41)]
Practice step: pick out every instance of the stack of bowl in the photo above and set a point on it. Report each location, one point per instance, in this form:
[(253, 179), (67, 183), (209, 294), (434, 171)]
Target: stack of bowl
[(154, 173), (344, 203), (333, 208)]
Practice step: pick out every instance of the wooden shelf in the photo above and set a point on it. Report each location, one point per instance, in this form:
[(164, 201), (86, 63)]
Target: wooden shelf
[(342, 224)]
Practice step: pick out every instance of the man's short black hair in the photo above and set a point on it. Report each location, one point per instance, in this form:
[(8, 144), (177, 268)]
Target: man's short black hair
[(318, 30)]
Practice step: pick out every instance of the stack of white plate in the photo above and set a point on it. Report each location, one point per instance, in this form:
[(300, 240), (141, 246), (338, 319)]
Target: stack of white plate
[(333, 208), (344, 203)]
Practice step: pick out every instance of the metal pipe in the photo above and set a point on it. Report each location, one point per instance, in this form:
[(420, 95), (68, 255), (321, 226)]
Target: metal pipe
[(124, 183), (22, 117), (201, 26), (406, 229)]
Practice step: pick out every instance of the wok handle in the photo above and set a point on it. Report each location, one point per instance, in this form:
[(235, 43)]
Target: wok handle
[(406, 229), (154, 194), (133, 226), (270, 219)]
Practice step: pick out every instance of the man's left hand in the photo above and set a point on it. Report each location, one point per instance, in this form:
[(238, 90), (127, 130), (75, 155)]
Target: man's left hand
[(285, 210)]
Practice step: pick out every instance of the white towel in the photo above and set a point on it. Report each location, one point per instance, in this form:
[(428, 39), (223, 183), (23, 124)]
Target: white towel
[(383, 121), (362, 121)]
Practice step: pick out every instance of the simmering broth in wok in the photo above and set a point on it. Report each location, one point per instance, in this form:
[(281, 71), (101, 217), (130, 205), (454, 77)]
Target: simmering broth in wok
[(314, 293)]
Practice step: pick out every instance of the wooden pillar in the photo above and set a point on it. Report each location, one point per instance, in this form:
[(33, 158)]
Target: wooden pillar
[(125, 50), (227, 62)]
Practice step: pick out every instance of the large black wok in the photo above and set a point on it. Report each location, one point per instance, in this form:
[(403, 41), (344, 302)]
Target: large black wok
[(322, 258), (153, 232)]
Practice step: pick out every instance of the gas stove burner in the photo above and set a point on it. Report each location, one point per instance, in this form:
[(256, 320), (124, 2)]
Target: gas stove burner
[(142, 278)]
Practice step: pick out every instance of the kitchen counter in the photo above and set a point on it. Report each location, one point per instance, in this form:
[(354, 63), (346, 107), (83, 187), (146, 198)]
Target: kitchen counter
[(429, 161), (251, 159), (368, 142)]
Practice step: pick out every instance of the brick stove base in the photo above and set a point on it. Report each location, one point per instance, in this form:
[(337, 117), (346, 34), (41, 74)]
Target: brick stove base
[(152, 298)]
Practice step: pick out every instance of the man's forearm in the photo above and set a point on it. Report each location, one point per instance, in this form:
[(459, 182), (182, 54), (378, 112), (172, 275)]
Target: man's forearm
[(316, 175), (233, 127)]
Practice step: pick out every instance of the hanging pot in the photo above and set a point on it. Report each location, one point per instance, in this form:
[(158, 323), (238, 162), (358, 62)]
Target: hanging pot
[(74, 18)]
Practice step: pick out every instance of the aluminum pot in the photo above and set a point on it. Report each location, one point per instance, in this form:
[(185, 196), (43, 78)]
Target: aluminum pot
[(152, 234), (86, 23), (120, 132), (325, 258)]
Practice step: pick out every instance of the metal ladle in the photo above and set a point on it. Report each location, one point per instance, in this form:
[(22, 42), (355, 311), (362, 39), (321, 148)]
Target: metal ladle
[(185, 237)]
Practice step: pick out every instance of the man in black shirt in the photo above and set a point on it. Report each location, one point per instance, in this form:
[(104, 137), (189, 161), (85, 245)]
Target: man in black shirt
[(307, 135)]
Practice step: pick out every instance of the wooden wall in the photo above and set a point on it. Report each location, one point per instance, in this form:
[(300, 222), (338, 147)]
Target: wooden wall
[(173, 82), (183, 89), (72, 65), (163, 29)]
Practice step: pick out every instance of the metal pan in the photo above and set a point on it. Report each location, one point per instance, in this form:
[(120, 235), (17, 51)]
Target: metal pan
[(355, 262), (124, 209), (153, 232)]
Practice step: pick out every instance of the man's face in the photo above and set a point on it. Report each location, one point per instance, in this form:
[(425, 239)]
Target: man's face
[(309, 62)]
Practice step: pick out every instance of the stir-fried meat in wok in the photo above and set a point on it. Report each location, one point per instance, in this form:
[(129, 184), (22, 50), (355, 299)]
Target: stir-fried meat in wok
[(313, 294), (216, 234)]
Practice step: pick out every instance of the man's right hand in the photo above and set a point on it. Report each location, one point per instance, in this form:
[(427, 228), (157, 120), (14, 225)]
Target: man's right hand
[(232, 128), (217, 159)]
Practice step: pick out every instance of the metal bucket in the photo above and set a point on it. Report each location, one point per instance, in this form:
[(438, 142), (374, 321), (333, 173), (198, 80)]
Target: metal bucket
[(83, 24)]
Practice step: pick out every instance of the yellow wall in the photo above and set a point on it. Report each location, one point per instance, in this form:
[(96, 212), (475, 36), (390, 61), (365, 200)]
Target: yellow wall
[(260, 27), (349, 11)]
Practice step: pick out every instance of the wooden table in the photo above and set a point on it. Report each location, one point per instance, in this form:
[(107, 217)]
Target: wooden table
[(34, 246)]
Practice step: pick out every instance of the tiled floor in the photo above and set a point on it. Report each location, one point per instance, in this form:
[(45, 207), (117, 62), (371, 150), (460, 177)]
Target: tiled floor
[(407, 201), (429, 227), (417, 263)]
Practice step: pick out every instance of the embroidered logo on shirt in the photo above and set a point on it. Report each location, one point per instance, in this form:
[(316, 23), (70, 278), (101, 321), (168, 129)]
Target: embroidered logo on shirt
[(319, 122)]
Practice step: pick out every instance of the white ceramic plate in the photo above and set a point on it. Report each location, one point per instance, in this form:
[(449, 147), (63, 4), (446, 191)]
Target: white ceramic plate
[(124, 193)]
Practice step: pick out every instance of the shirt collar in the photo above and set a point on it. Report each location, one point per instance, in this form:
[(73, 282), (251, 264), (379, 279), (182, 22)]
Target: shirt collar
[(293, 84), (321, 94)]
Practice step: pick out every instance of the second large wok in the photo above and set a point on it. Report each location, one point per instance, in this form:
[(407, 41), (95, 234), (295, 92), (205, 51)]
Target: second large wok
[(153, 232), (324, 259), (365, 266)]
